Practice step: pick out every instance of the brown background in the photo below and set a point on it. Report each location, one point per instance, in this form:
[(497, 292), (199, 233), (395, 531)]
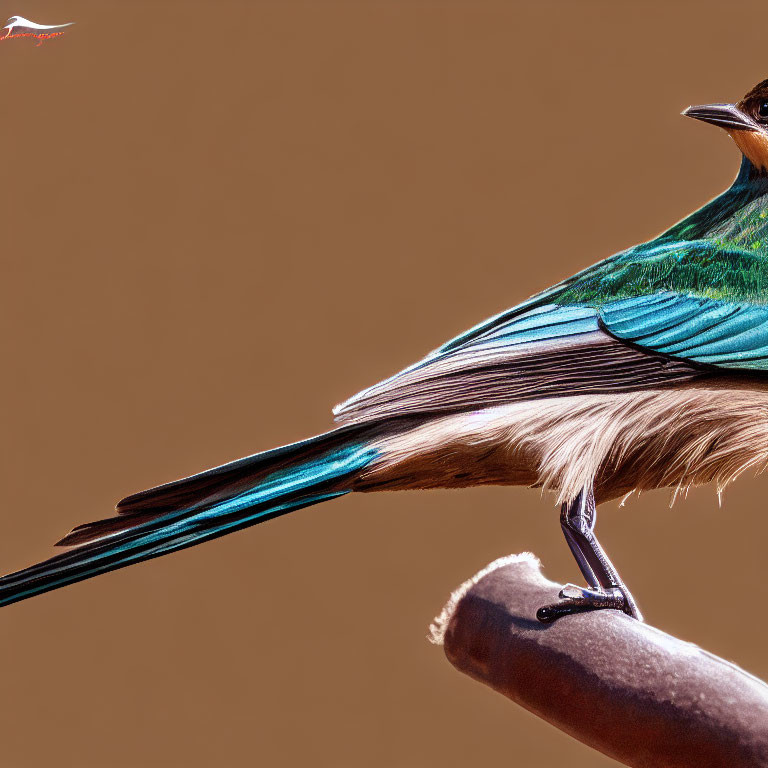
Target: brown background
[(221, 218)]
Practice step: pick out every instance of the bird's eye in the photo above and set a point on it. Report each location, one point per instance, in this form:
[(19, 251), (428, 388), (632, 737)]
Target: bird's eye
[(762, 109)]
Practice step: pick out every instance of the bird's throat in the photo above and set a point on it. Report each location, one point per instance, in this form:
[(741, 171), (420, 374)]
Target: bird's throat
[(754, 146)]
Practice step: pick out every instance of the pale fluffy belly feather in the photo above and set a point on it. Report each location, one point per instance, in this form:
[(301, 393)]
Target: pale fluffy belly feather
[(675, 437)]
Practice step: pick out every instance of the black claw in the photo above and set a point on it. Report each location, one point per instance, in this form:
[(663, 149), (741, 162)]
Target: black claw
[(549, 613), (546, 614)]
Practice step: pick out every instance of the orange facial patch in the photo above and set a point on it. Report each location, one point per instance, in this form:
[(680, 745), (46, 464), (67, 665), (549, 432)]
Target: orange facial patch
[(754, 146)]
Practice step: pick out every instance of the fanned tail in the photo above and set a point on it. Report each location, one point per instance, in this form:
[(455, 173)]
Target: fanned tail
[(205, 506)]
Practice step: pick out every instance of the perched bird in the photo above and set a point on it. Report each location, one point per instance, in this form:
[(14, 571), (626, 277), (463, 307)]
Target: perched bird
[(646, 370)]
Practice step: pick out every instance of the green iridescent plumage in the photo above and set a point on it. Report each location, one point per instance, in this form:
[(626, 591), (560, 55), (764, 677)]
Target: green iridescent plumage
[(718, 252)]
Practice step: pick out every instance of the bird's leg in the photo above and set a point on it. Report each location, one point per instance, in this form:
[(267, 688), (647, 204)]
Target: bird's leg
[(606, 590)]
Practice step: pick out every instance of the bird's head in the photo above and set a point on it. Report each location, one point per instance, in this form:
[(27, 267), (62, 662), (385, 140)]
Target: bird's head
[(746, 122)]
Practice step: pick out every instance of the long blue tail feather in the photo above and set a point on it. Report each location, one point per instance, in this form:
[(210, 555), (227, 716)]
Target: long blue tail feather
[(307, 473)]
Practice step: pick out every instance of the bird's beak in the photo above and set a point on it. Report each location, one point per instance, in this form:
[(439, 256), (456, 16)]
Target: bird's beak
[(727, 116)]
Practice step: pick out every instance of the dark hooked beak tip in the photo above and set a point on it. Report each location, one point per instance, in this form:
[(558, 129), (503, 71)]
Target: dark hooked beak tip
[(727, 116)]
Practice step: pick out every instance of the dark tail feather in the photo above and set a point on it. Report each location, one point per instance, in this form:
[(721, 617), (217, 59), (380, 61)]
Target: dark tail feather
[(214, 485), (202, 507)]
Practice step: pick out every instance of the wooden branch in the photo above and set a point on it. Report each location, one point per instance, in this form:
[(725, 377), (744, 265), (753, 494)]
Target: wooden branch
[(627, 689)]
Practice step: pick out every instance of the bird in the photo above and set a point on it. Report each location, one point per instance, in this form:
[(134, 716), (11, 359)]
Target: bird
[(18, 26), (646, 370)]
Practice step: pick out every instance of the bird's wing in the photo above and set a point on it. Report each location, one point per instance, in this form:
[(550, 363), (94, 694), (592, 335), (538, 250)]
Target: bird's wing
[(724, 334), (660, 313), (548, 351)]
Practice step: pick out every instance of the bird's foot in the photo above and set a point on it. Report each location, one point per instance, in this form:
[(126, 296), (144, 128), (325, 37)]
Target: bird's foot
[(581, 599)]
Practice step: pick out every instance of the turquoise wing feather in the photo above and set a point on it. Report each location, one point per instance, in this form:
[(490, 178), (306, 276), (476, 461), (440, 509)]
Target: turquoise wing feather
[(724, 334)]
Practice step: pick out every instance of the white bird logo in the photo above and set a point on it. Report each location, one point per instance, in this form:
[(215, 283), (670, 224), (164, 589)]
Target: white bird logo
[(18, 26)]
